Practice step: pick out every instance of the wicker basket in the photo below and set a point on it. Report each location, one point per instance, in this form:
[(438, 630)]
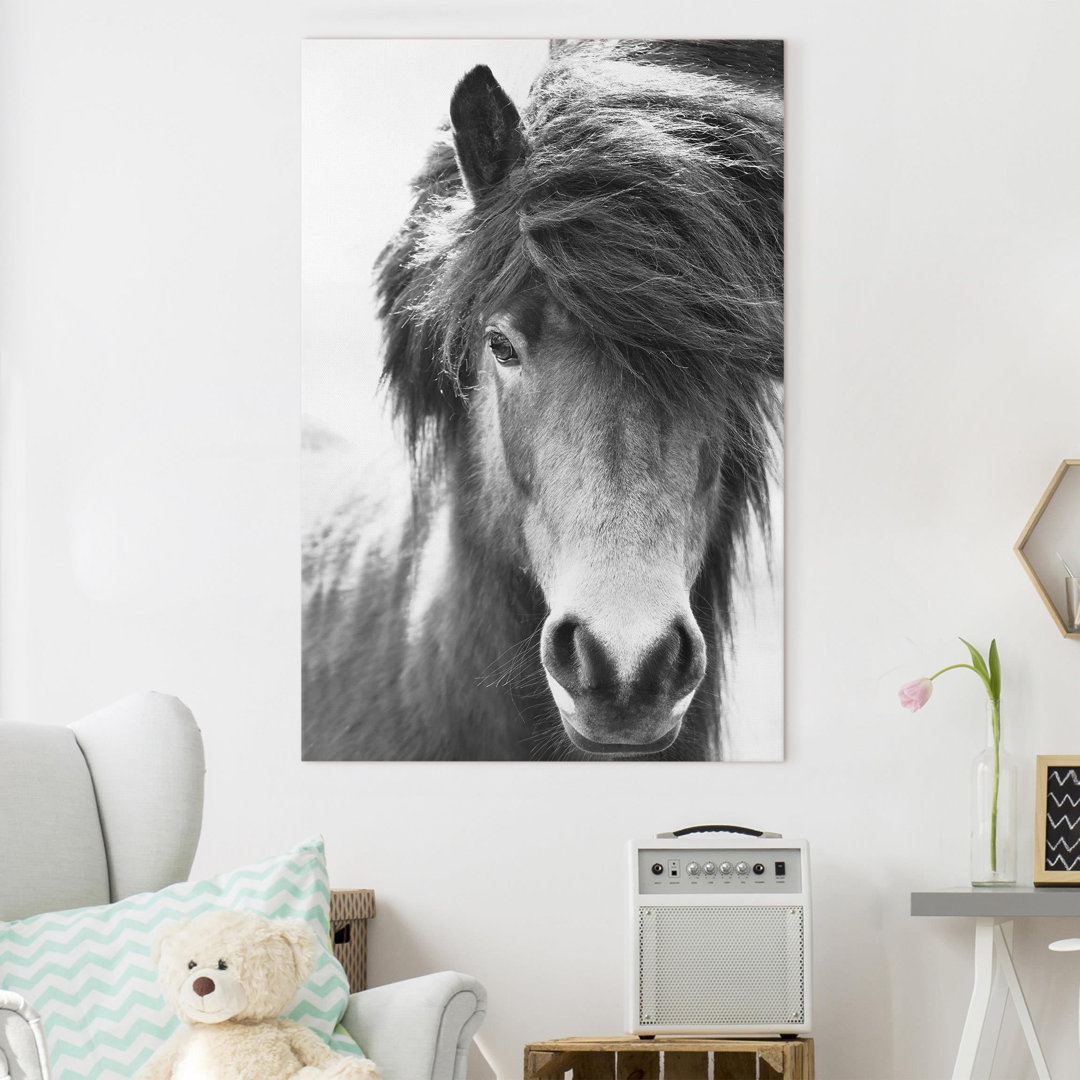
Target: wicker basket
[(350, 910)]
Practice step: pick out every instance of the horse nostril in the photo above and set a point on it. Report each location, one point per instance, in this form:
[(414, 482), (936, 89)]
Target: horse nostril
[(559, 651), (690, 661), (676, 661), (575, 658), (203, 986)]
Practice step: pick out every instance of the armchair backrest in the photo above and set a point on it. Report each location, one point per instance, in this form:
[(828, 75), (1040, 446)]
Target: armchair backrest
[(104, 808)]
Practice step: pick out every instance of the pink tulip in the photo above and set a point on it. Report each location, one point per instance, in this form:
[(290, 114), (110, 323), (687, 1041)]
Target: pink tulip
[(915, 694)]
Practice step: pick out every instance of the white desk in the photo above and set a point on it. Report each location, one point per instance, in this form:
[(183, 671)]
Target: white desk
[(994, 910)]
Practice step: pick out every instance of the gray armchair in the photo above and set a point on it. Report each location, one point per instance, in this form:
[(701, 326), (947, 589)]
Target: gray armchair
[(111, 806)]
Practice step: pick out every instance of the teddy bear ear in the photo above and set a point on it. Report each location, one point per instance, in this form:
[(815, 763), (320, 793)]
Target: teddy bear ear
[(305, 949), (164, 934)]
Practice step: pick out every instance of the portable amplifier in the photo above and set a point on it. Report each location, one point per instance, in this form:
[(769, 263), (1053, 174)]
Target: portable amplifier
[(719, 933)]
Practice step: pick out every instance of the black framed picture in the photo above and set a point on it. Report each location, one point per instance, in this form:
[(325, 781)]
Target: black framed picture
[(1057, 820)]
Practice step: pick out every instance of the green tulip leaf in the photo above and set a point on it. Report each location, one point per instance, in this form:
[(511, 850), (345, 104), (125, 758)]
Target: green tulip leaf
[(995, 671), (979, 664)]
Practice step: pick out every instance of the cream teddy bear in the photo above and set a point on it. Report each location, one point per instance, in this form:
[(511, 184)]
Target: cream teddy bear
[(229, 975)]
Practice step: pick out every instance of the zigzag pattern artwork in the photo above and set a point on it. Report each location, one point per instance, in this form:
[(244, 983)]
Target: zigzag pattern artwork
[(1063, 844), (1063, 800), (88, 972), (1062, 826)]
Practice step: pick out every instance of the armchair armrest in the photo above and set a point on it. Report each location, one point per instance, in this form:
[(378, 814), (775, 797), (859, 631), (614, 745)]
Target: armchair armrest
[(418, 1029), (22, 1040)]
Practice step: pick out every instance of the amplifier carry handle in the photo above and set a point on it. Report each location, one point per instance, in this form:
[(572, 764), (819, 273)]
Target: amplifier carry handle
[(716, 828)]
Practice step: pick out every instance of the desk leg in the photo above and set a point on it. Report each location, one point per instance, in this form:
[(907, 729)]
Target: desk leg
[(993, 943), (979, 1006), (1005, 962), (995, 1013)]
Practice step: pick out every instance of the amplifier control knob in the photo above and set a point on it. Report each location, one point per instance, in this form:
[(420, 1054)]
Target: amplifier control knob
[(709, 868), (725, 869), (742, 869), (693, 869)]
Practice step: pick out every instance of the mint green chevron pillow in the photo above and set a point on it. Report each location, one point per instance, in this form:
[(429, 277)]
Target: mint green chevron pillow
[(89, 973)]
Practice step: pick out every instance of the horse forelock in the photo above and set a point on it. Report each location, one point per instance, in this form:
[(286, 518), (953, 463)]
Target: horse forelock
[(648, 205)]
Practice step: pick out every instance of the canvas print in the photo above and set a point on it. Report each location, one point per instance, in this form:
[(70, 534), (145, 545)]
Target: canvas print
[(542, 378)]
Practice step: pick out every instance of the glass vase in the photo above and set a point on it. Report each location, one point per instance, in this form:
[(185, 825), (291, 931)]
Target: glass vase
[(993, 809)]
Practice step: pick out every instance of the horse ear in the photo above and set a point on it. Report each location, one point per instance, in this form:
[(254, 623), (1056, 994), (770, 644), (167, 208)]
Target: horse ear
[(487, 131)]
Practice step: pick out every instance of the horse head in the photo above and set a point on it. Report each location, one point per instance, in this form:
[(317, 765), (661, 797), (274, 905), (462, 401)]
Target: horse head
[(610, 353), (612, 500)]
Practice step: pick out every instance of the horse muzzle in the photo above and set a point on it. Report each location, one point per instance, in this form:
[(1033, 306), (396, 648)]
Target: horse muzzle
[(622, 704)]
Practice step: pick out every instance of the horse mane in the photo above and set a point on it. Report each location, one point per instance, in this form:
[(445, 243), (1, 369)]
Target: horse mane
[(649, 205)]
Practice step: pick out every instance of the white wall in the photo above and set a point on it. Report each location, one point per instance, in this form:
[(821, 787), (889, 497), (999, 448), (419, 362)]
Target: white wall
[(149, 230)]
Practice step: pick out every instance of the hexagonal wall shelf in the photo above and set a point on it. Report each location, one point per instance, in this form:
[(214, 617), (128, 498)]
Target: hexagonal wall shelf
[(1053, 530)]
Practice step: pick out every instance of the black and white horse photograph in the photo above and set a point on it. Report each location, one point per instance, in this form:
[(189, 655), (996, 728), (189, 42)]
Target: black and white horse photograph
[(542, 382)]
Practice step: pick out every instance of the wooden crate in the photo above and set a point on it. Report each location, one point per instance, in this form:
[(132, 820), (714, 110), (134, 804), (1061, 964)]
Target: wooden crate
[(350, 910), (626, 1057)]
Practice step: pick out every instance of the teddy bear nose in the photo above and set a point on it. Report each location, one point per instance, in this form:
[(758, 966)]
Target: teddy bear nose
[(203, 986)]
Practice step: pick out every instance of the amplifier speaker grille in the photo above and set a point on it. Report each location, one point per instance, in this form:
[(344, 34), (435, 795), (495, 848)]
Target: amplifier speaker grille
[(723, 965)]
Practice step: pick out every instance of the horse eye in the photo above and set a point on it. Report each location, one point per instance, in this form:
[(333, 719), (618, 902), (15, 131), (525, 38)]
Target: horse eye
[(222, 966), (502, 349), (191, 964)]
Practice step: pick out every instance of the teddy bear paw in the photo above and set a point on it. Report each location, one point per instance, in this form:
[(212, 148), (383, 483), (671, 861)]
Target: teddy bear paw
[(352, 1069)]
